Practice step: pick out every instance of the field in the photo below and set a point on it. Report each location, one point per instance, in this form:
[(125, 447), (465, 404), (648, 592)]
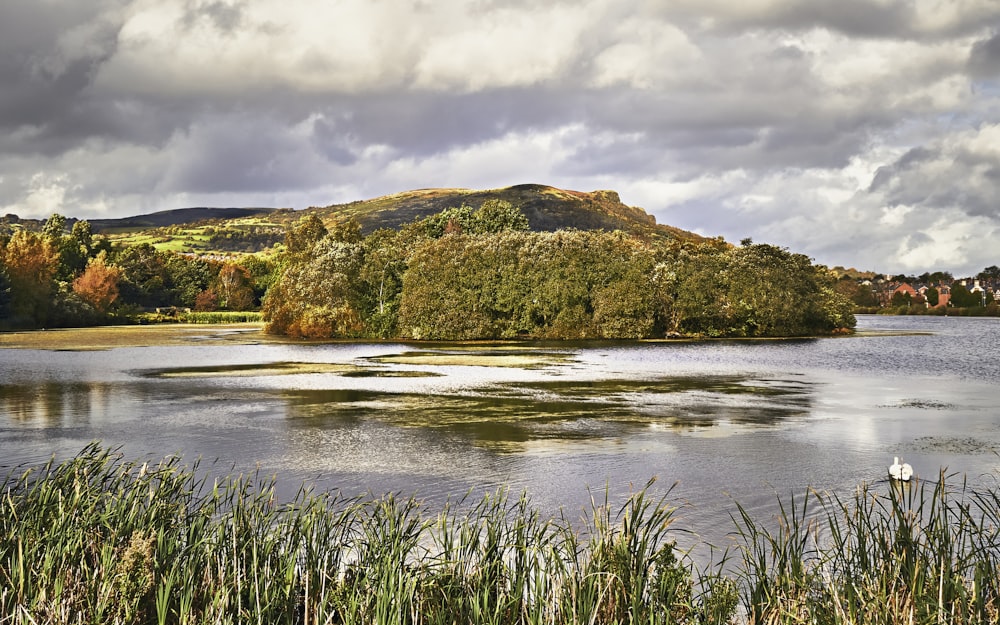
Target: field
[(233, 236)]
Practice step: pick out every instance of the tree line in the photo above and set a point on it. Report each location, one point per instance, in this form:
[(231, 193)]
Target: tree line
[(61, 277), (481, 274), (464, 273)]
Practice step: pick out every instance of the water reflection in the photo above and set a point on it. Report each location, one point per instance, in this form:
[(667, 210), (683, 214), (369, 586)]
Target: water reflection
[(55, 404)]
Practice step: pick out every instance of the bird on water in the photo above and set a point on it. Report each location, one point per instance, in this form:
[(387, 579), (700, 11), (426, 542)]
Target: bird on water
[(902, 472)]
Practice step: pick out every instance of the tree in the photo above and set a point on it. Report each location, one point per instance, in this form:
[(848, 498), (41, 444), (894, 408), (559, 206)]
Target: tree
[(98, 284), (4, 291), (184, 278), (83, 234), (206, 301), (31, 263), (263, 272), (499, 215), (233, 287), (757, 290), (304, 234), (962, 298), (901, 299), (317, 295), (381, 280), (145, 280), (933, 297), (990, 273), (54, 227)]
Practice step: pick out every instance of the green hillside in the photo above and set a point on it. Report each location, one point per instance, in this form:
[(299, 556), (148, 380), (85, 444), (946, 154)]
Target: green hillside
[(205, 230), (547, 208)]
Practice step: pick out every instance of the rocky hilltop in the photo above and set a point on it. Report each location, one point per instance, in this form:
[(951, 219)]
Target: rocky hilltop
[(547, 209)]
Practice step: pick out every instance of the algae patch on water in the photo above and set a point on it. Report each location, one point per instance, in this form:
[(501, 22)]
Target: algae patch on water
[(518, 359), (283, 368), (253, 370), (111, 337)]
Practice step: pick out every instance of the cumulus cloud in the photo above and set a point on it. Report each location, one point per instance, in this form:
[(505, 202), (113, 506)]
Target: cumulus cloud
[(859, 132)]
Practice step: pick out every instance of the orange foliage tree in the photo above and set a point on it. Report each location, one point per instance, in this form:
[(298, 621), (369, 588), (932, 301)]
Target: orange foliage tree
[(234, 287), (98, 284)]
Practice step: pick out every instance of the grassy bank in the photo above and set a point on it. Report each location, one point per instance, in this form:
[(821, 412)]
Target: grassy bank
[(98, 539)]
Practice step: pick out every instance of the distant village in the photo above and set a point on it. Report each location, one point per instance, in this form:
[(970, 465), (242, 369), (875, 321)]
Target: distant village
[(937, 291)]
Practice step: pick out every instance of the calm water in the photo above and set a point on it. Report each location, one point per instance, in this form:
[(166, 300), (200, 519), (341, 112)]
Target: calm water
[(740, 420)]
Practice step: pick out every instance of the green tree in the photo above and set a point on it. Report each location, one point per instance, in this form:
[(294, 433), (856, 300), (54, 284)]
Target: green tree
[(83, 234), (184, 278), (54, 227), (381, 280), (145, 277), (990, 273), (4, 289), (499, 215), (933, 296), (317, 295), (263, 271), (756, 290), (961, 297), (449, 221), (901, 299), (306, 232)]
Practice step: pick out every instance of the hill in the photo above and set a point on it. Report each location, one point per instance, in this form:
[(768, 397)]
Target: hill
[(547, 209), (175, 217), (206, 230)]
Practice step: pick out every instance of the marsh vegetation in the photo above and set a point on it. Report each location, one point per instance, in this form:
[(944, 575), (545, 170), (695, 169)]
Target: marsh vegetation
[(102, 539)]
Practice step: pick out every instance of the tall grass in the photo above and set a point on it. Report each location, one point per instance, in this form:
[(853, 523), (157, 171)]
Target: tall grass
[(926, 552), (98, 539), (220, 316)]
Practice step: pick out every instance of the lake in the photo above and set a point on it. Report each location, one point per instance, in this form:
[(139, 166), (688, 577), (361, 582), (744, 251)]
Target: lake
[(717, 421)]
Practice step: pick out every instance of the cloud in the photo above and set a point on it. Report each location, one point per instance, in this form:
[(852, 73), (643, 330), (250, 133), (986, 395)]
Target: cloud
[(984, 59), (837, 129), (960, 172)]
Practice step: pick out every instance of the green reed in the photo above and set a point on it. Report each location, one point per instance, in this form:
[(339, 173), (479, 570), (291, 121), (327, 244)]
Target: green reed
[(921, 552), (98, 539)]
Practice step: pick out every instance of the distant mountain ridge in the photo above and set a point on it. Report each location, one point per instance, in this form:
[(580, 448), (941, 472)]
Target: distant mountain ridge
[(176, 217)]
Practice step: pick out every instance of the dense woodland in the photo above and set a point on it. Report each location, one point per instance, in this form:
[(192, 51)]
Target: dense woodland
[(481, 274), (464, 273)]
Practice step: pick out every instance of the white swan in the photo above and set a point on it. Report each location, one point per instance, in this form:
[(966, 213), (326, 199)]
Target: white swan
[(902, 472)]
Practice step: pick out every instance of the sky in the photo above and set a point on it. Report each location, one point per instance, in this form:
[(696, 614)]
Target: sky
[(863, 133)]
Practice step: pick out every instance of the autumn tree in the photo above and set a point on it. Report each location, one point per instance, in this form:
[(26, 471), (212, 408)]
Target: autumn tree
[(31, 263), (98, 284), (207, 301), (233, 286)]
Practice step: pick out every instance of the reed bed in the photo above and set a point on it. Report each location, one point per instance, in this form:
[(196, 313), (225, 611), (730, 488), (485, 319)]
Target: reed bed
[(99, 539), (220, 317), (923, 552)]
